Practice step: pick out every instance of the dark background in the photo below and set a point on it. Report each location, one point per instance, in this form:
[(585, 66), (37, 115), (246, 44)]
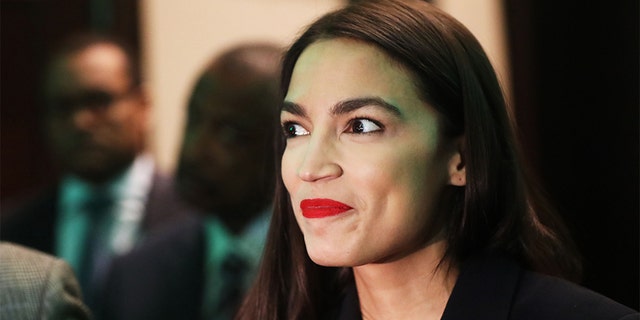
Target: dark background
[(576, 91), (575, 68), (29, 30)]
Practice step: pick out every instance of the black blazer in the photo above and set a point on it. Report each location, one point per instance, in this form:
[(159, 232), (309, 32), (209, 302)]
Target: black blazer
[(498, 289), (33, 224), (162, 279)]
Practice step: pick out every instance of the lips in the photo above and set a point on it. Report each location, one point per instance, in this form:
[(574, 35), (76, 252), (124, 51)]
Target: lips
[(321, 208)]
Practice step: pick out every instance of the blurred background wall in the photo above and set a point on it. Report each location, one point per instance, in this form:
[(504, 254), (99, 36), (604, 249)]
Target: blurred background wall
[(179, 40), (570, 69)]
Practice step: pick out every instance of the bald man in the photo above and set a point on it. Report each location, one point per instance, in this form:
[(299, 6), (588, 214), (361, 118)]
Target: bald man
[(200, 269)]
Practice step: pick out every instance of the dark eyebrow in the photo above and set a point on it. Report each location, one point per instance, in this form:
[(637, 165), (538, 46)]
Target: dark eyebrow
[(345, 106), (293, 108), (350, 105)]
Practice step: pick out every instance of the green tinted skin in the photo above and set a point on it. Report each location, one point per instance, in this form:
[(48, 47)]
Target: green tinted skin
[(358, 133)]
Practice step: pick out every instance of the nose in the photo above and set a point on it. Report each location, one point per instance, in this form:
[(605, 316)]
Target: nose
[(320, 161), (83, 118)]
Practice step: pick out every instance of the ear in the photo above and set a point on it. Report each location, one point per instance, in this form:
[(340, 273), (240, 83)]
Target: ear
[(457, 166), (143, 103), (144, 96), (143, 110)]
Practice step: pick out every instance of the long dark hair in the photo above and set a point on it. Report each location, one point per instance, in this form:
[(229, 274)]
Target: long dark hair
[(498, 211)]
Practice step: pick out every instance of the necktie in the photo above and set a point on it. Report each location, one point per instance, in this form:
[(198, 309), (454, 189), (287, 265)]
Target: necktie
[(233, 276), (94, 252)]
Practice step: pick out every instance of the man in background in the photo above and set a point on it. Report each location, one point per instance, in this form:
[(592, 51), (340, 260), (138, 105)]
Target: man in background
[(201, 269), (110, 194)]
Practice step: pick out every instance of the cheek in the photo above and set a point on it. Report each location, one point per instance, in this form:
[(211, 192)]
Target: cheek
[(128, 115), (288, 170), (403, 185), (383, 172)]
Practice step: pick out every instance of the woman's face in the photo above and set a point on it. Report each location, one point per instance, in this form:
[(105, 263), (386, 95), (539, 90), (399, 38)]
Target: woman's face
[(364, 163)]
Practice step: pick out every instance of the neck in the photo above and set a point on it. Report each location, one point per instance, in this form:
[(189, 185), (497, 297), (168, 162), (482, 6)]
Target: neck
[(413, 287)]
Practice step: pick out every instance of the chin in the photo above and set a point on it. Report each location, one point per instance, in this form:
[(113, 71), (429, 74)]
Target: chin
[(92, 173), (330, 257)]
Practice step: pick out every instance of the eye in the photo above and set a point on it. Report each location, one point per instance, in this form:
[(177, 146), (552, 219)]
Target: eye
[(292, 129), (98, 99), (361, 125)]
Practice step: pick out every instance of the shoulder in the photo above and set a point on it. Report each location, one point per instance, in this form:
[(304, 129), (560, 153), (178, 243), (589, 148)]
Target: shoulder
[(181, 238), (177, 248), (28, 268), (164, 205), (491, 287), (46, 285), (167, 262), (544, 297)]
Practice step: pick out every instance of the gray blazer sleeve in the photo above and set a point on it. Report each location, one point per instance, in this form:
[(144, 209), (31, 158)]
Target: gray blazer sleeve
[(34, 285)]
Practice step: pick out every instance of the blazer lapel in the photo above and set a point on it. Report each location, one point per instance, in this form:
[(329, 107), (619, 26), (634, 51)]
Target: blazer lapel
[(484, 290)]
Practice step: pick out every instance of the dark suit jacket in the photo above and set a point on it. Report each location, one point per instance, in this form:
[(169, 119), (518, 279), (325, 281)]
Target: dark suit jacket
[(162, 279), (33, 225), (37, 286), (498, 289)]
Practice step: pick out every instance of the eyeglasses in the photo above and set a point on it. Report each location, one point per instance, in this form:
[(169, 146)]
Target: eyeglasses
[(94, 99)]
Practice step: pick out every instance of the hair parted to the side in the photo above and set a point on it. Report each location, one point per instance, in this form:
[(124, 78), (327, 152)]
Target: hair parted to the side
[(499, 211)]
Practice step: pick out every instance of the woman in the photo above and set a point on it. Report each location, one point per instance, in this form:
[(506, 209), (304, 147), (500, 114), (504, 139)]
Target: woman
[(401, 195)]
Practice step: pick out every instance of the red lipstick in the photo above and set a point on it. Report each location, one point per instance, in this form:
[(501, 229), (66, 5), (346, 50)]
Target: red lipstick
[(321, 208)]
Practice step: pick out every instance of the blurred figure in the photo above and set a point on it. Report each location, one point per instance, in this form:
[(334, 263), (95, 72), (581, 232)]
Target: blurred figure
[(110, 194), (226, 162), (36, 285), (201, 269)]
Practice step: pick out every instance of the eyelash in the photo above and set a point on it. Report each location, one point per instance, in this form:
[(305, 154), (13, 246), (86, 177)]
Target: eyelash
[(351, 123), (289, 131)]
